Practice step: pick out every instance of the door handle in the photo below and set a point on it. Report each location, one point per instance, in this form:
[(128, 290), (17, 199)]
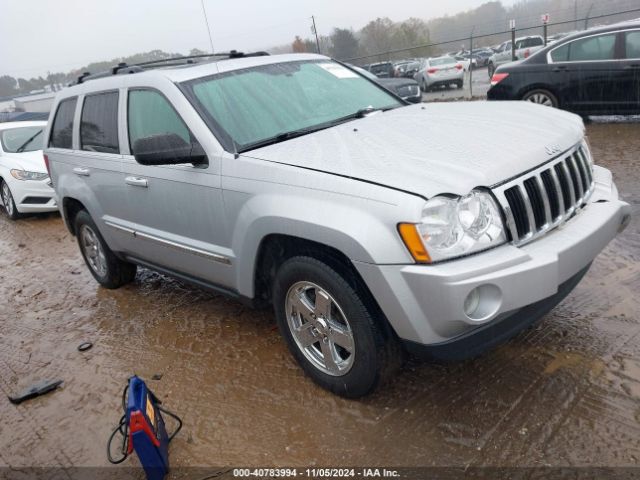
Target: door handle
[(632, 67), (137, 182), (84, 172), (559, 69)]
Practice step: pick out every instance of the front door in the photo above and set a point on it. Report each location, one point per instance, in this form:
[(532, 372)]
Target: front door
[(176, 211)]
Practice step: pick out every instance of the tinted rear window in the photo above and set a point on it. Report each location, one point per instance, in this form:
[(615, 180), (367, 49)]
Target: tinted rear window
[(99, 124), (442, 61), (63, 124), (529, 42)]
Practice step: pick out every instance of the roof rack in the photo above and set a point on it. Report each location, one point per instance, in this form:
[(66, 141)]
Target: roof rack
[(124, 68)]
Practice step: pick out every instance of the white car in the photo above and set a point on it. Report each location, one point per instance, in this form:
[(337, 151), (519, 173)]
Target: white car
[(440, 71), (24, 182)]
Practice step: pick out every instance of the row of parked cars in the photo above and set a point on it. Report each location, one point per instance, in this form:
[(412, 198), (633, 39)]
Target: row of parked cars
[(297, 182)]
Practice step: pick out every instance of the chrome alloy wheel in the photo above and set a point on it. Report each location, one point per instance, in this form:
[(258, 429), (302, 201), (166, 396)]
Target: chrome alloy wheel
[(7, 199), (320, 328), (93, 251), (541, 99)]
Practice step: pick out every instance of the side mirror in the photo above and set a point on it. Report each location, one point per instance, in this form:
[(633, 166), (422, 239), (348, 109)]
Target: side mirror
[(167, 149)]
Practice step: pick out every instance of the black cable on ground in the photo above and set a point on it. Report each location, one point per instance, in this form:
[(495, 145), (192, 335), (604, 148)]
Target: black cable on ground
[(123, 428)]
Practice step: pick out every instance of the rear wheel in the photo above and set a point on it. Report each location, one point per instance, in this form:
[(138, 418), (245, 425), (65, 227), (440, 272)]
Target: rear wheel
[(8, 202), (108, 270), (333, 329), (460, 84), (541, 97)]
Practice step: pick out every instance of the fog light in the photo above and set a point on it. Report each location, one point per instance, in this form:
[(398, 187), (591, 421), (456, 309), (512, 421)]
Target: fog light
[(483, 303), (471, 302), (626, 219)]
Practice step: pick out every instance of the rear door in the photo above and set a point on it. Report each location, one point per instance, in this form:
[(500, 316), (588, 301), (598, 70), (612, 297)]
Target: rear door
[(631, 71), (593, 73)]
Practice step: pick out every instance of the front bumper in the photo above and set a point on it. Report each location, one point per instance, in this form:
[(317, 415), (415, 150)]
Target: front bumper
[(33, 196), (425, 303)]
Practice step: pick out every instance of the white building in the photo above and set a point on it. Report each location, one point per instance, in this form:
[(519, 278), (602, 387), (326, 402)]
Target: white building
[(40, 102)]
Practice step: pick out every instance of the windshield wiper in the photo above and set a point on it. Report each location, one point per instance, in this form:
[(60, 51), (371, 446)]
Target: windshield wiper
[(281, 137), (21, 148)]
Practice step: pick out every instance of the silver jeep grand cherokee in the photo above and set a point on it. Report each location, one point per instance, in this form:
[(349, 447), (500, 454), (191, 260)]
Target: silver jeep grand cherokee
[(373, 227)]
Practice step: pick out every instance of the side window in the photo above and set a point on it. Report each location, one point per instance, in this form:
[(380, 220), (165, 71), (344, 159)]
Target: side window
[(632, 44), (149, 113), (99, 123), (61, 131), (561, 54), (601, 47)]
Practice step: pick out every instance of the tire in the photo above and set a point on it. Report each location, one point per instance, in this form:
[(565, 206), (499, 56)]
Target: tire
[(363, 349), (108, 270), (541, 97), (7, 200), (460, 84), (491, 70)]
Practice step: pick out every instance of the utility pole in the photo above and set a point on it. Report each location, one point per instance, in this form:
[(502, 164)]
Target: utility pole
[(470, 65), (315, 32), (512, 25), (586, 17), (206, 21)]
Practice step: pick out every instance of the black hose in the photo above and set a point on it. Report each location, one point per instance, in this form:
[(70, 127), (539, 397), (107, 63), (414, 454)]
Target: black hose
[(123, 429)]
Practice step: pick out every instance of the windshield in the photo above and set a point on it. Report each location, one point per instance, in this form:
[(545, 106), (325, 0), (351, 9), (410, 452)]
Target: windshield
[(22, 139), (252, 105)]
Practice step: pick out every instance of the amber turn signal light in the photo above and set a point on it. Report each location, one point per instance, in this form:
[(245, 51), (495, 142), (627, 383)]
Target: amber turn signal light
[(413, 242)]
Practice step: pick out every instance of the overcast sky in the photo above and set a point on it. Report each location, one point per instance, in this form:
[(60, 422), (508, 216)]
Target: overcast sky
[(37, 36)]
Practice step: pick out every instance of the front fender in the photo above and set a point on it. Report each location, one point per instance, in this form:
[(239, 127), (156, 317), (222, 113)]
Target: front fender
[(362, 234)]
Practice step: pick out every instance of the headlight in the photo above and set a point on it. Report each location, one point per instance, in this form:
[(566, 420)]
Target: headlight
[(455, 226), (24, 175)]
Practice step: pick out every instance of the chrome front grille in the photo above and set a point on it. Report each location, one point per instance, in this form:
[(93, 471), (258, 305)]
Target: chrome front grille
[(547, 196)]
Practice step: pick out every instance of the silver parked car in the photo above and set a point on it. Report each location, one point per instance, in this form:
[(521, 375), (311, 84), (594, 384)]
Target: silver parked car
[(372, 227), (440, 72)]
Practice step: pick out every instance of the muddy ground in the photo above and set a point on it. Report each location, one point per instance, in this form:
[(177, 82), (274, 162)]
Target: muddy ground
[(564, 393)]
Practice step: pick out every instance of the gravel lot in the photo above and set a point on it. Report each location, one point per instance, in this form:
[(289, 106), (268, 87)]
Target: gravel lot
[(564, 393)]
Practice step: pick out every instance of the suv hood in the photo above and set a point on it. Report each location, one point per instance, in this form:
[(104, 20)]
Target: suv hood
[(29, 161), (435, 148)]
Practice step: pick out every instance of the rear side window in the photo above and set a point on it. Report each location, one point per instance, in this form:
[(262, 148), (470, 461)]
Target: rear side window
[(150, 113), (601, 47), (61, 131), (632, 44), (99, 123)]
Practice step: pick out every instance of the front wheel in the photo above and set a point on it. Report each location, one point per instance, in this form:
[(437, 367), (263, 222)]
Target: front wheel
[(541, 97), (108, 270), (8, 202), (333, 329)]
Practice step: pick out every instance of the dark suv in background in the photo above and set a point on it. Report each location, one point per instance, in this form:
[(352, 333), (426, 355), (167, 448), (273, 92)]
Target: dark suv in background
[(595, 72)]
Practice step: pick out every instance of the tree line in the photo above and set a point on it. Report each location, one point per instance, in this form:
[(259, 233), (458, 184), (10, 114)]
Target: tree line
[(373, 41)]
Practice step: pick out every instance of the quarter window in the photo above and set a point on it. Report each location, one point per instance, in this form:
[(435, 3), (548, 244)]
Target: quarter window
[(61, 131), (151, 114), (99, 123), (632, 44)]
